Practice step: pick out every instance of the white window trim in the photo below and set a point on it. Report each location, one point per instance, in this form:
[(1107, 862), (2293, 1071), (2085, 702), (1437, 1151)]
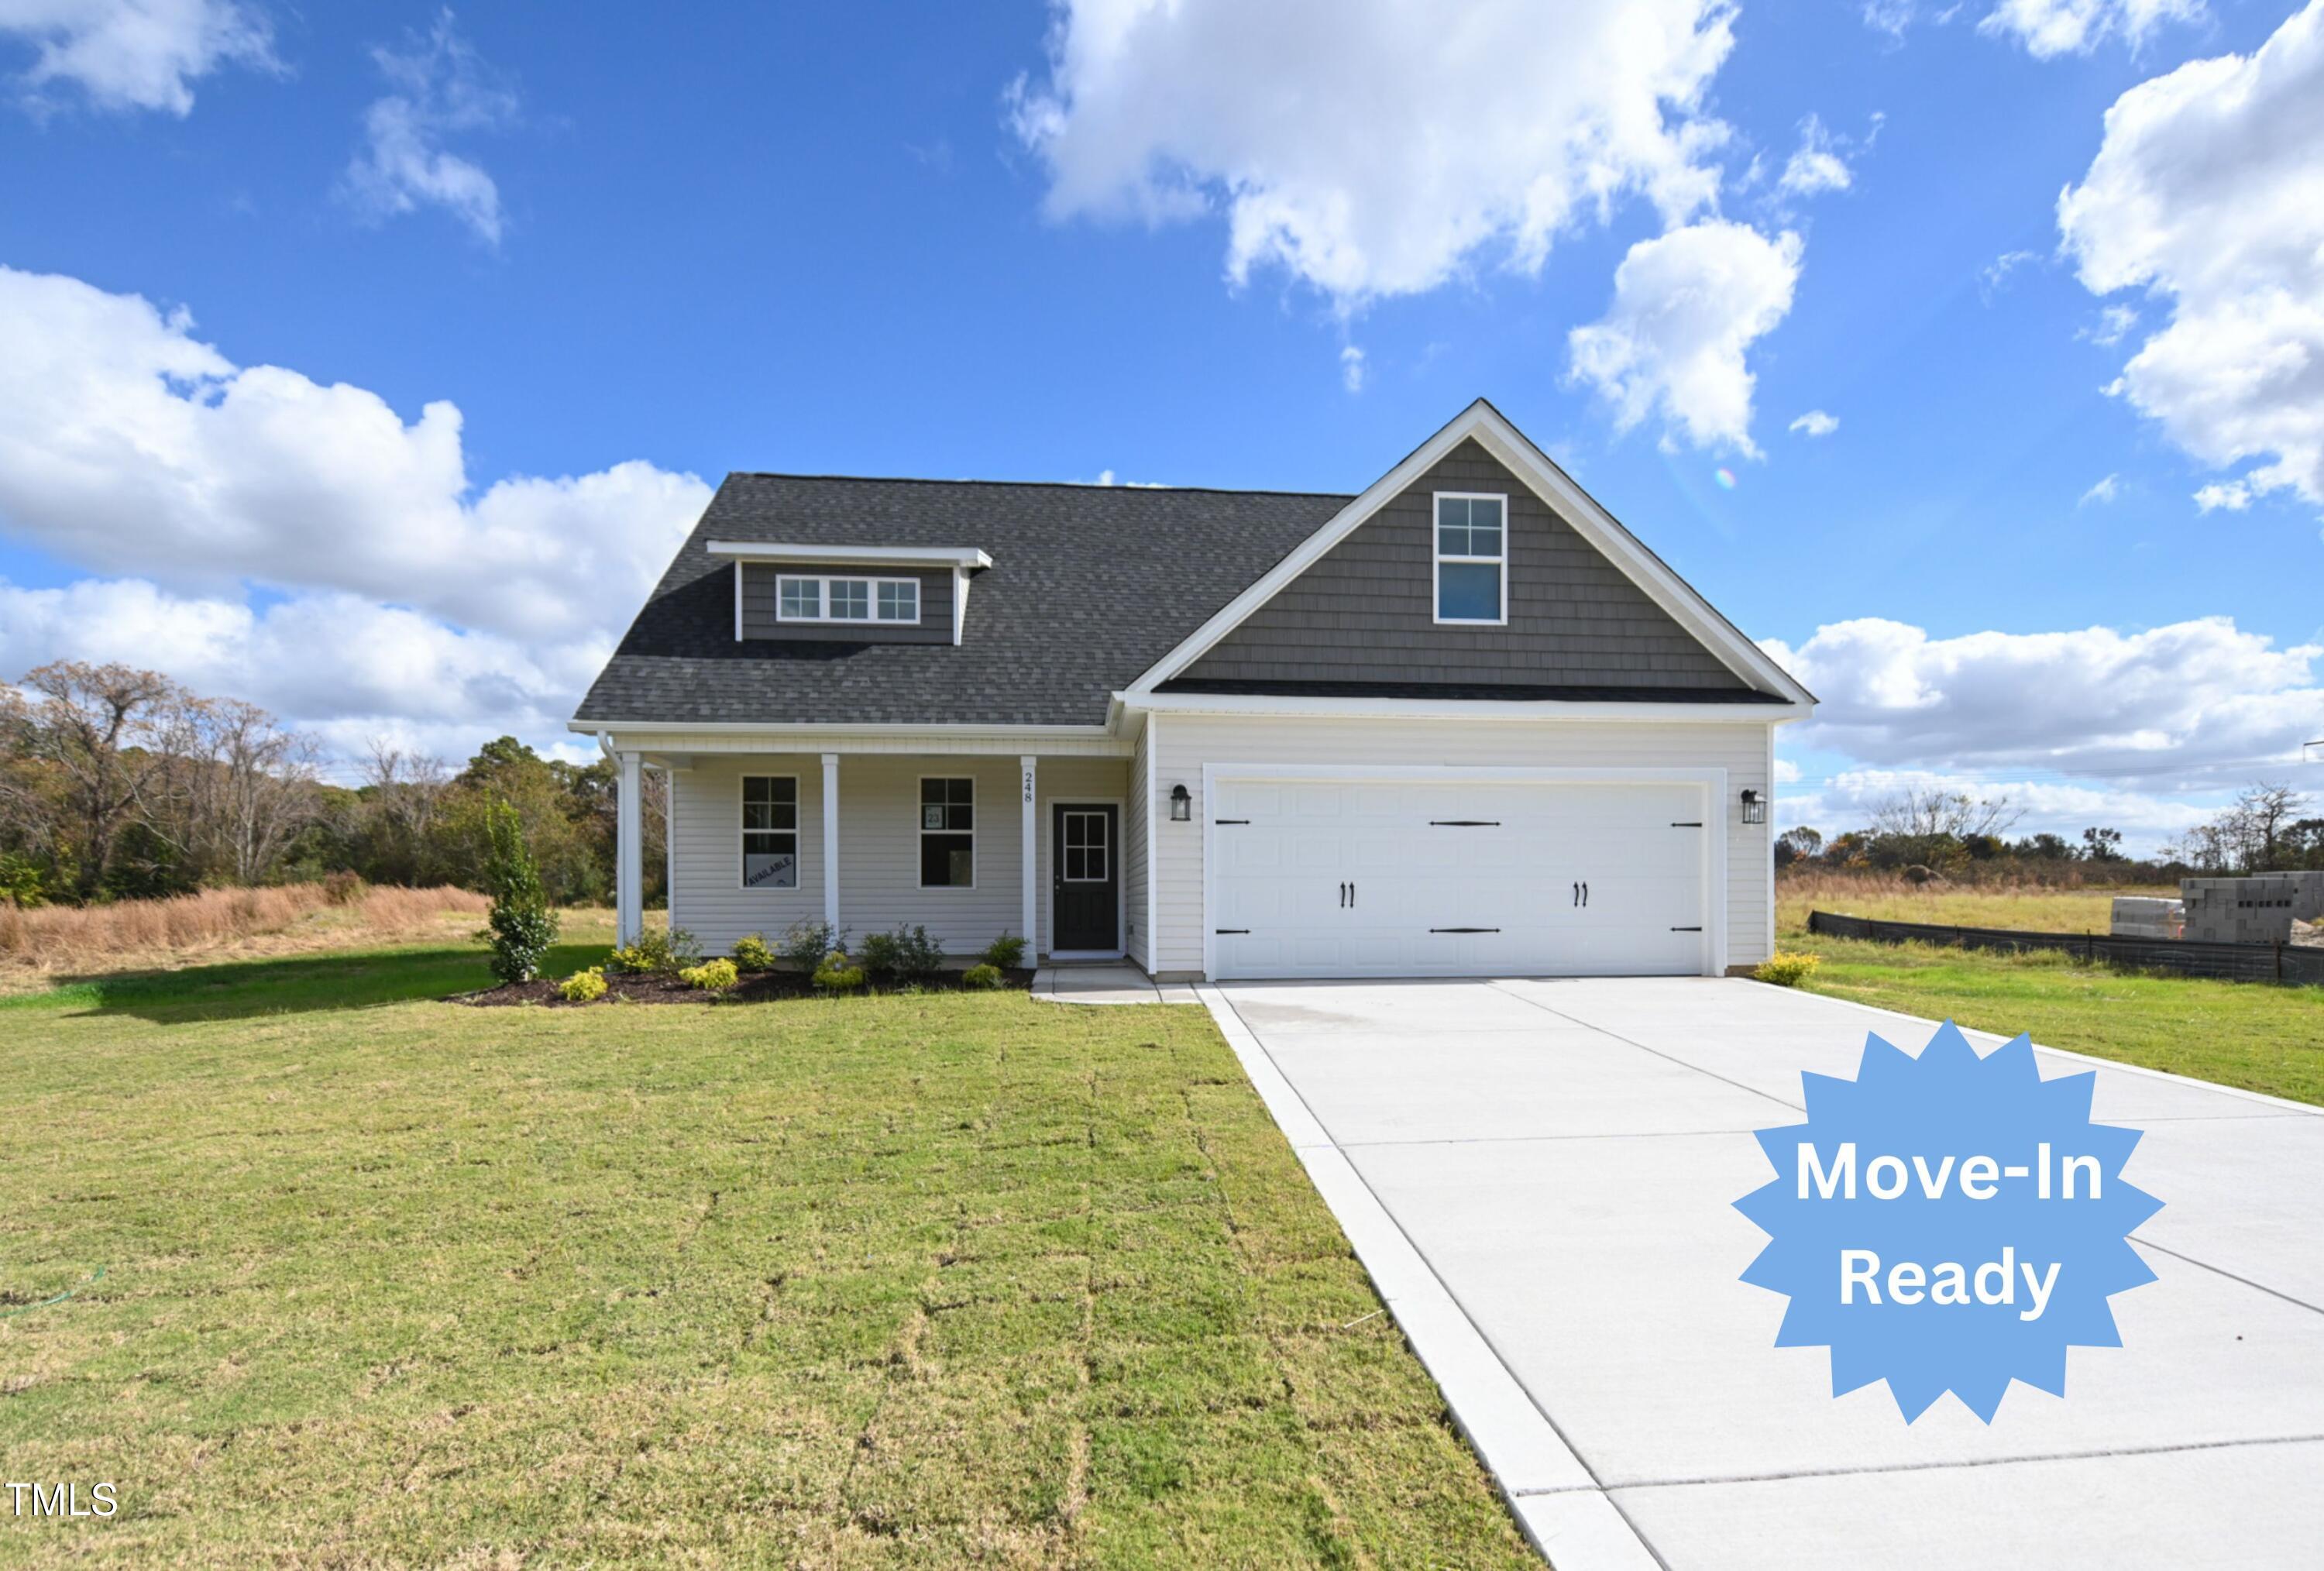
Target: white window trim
[(920, 793), (1437, 559), (741, 836), (823, 582)]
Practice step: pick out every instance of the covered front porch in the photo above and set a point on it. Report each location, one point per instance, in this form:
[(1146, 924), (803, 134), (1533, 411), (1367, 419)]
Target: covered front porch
[(870, 833)]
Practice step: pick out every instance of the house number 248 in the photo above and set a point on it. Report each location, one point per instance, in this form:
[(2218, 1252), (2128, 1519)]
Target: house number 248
[(1028, 785)]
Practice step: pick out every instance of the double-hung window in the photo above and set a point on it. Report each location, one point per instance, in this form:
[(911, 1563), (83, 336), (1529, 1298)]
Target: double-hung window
[(799, 599), (1473, 557), (770, 831), (947, 833)]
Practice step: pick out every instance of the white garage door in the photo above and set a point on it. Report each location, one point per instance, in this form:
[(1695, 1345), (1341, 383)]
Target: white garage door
[(1332, 878)]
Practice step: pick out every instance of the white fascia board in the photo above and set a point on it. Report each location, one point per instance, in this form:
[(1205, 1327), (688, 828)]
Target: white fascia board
[(1481, 421), (955, 557), (1458, 708)]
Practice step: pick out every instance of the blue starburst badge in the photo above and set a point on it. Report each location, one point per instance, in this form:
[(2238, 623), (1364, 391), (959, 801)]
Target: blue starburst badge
[(1947, 1223)]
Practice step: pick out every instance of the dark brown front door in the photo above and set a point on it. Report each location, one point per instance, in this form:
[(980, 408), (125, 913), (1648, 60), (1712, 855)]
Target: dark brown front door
[(1085, 877)]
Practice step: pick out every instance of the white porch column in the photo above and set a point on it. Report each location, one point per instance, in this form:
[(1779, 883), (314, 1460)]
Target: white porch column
[(1032, 860), (831, 839), (628, 860)]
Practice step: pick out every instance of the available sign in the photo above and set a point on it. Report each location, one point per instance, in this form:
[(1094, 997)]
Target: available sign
[(1947, 1223)]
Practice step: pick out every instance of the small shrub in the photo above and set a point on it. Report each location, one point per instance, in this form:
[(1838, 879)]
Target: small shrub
[(837, 973), (520, 925), (751, 954), (584, 986), (657, 954), (711, 976), (904, 955), (807, 941), (984, 979), (1788, 970), (1005, 953), (343, 887)]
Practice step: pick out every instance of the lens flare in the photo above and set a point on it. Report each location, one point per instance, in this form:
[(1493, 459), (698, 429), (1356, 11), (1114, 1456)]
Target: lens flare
[(1725, 476)]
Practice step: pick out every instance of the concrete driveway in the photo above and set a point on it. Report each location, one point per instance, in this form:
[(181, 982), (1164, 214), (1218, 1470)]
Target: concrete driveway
[(1539, 1175)]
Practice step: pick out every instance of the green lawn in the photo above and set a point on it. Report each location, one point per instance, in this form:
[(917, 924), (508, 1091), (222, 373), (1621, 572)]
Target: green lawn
[(916, 1280), (2259, 1037)]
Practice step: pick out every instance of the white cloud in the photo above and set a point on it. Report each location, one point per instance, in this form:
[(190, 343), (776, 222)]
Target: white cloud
[(136, 55), (1815, 166), (346, 667), (2234, 496), (2106, 489), (1349, 142), (442, 87), (1687, 306), (1848, 800), (2207, 192), (1351, 368), (2114, 324), (2196, 704), (2050, 28), (1995, 274), (1893, 17), (128, 444), (1816, 423)]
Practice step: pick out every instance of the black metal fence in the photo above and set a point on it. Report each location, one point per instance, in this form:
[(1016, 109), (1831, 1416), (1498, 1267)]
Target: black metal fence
[(2297, 964)]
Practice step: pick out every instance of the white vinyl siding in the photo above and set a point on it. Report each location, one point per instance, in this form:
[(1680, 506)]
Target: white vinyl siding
[(1189, 742), (1137, 934), (706, 896)]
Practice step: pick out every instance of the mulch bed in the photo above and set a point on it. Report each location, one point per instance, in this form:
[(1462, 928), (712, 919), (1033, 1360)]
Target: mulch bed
[(756, 987)]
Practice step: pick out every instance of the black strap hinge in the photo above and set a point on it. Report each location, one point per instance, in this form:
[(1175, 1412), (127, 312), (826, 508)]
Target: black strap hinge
[(1464, 929), (1229, 820), (1686, 929), (1224, 932), (1465, 823)]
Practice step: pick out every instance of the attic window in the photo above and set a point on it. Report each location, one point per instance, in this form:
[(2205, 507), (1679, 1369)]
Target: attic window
[(1472, 558), (805, 600)]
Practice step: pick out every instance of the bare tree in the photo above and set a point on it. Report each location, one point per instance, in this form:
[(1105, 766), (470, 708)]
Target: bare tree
[(406, 798), (2247, 837), (96, 731), (1926, 811), (256, 789)]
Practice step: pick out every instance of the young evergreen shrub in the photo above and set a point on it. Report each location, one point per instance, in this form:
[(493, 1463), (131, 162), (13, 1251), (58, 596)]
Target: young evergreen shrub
[(711, 976), (583, 986), (838, 975), (1788, 970), (984, 979), (1005, 953), (905, 955), (806, 942), (520, 925), (751, 954)]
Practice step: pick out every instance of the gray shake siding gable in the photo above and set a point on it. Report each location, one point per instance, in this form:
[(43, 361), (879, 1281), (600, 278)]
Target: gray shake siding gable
[(760, 621), (1363, 612)]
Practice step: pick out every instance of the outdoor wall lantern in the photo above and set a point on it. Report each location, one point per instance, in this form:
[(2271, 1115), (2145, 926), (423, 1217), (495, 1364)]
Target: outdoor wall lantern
[(1182, 805), (1755, 807)]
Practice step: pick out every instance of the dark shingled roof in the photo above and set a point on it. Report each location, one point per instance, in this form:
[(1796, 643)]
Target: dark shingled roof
[(1090, 586)]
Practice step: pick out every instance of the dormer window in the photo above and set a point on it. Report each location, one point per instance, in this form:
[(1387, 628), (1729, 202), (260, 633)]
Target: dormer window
[(835, 599), (1473, 559)]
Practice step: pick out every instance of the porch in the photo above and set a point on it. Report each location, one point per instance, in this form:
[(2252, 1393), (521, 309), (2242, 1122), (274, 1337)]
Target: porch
[(969, 845)]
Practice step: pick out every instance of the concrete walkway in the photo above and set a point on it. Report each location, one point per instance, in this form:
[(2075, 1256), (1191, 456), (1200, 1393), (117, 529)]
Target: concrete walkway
[(1539, 1175), (1103, 982)]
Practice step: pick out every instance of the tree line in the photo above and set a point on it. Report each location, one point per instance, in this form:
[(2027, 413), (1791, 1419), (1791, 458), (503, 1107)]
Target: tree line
[(1952, 835), (118, 783)]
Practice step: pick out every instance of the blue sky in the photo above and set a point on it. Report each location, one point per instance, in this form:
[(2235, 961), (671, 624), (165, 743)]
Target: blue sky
[(1222, 244)]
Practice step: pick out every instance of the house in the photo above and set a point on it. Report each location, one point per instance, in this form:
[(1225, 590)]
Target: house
[(1461, 723)]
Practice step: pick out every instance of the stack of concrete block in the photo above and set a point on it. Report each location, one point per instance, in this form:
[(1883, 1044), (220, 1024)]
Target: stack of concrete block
[(2137, 916), (2257, 910)]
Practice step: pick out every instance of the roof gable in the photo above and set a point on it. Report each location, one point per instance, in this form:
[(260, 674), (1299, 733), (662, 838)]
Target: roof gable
[(1482, 428), (1363, 614)]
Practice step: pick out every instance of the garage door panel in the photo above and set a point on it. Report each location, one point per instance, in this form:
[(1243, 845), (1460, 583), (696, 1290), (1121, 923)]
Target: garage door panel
[(1506, 860)]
